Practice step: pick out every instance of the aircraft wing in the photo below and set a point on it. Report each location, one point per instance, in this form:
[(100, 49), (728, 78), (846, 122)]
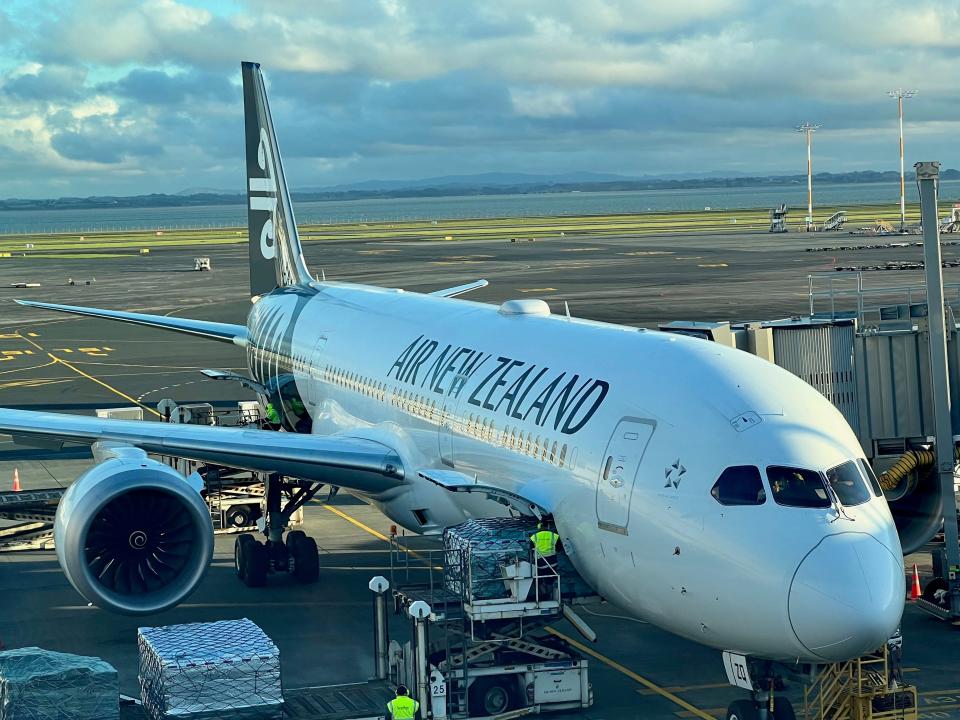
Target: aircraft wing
[(354, 463), (224, 332)]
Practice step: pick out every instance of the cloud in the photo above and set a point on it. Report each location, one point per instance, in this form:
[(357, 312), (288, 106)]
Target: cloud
[(146, 92), (46, 83), (156, 87), (543, 102), (99, 142)]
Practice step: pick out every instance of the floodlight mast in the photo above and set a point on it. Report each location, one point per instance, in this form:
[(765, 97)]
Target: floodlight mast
[(900, 94), (808, 129)]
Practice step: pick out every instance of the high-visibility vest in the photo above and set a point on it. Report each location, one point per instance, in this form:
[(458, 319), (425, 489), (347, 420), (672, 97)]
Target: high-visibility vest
[(403, 707), (272, 415), (545, 541)]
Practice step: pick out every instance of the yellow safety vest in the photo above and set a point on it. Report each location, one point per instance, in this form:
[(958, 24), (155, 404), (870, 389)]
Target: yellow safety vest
[(403, 707), (545, 542), (272, 414)]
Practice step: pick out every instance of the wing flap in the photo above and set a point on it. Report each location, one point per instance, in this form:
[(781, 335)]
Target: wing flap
[(224, 332), (354, 463)]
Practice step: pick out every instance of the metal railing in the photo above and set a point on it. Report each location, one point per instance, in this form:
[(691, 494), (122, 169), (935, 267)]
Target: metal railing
[(859, 689), (847, 292)]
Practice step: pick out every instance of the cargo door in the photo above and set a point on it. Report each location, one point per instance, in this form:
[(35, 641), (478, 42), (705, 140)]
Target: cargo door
[(618, 472)]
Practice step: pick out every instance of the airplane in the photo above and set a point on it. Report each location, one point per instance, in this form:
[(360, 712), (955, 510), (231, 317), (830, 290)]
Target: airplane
[(700, 488)]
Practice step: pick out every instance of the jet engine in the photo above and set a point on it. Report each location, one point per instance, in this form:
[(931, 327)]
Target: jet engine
[(132, 535)]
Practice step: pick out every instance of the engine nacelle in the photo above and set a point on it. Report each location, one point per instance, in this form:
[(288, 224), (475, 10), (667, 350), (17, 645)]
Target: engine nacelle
[(132, 535), (917, 510)]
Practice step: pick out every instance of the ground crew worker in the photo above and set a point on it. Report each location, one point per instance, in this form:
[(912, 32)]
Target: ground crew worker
[(272, 416), (545, 542), (402, 707)]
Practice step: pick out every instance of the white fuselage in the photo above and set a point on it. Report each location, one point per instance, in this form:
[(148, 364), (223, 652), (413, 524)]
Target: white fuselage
[(537, 404)]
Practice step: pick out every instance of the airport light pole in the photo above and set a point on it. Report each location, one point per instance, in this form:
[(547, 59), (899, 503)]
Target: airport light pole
[(900, 94), (808, 129)]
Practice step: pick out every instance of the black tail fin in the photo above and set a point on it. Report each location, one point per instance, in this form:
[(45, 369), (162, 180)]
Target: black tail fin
[(276, 259)]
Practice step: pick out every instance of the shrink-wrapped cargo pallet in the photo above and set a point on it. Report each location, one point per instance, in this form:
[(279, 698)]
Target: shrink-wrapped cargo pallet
[(38, 684), (476, 550), (221, 669)]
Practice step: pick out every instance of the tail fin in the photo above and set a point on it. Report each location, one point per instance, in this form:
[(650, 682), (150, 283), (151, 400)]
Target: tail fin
[(276, 258)]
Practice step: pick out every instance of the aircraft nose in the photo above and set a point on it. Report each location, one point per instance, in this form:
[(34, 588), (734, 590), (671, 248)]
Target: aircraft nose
[(847, 596)]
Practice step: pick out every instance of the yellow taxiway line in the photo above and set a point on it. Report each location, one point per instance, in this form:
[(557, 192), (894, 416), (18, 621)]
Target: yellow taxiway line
[(650, 685), (80, 372)]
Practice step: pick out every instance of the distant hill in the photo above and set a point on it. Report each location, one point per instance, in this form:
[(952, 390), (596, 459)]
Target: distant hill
[(464, 185), (472, 181)]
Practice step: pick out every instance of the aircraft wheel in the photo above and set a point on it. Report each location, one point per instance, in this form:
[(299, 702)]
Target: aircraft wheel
[(743, 710), (256, 563), (783, 709), (306, 560), (239, 546), (293, 537)]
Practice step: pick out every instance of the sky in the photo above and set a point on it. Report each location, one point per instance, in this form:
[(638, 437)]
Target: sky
[(138, 96)]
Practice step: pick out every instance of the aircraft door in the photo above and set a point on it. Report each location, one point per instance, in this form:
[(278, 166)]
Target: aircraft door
[(448, 419), (314, 375), (618, 472)]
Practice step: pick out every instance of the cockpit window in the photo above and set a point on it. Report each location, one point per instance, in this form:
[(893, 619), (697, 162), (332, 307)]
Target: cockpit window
[(797, 488), (739, 485), (871, 476), (847, 483)]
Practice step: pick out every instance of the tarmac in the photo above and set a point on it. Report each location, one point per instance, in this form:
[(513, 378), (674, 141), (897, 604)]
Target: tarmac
[(67, 364)]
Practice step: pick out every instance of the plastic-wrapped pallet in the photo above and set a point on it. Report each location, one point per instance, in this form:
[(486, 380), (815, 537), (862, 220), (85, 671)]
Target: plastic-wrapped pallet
[(221, 669), (476, 549), (38, 684)]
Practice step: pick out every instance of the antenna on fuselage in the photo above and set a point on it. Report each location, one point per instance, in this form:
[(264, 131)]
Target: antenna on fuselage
[(566, 308)]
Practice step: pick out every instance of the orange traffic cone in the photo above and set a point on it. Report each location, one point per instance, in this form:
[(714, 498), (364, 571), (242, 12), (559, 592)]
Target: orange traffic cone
[(915, 591), (16, 480)]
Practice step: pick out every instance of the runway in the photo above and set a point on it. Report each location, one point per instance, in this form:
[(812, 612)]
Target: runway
[(69, 364)]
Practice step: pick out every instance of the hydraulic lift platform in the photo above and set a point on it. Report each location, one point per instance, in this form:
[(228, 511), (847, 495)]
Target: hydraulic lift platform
[(479, 645)]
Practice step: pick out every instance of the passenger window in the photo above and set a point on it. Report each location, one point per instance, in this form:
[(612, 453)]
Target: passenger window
[(871, 477), (848, 484), (739, 485), (797, 488)]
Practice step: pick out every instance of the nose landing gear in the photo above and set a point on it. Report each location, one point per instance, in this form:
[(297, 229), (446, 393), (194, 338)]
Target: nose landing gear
[(763, 682), (758, 709)]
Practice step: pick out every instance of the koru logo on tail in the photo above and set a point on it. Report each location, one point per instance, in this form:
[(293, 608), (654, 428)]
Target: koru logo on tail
[(268, 200)]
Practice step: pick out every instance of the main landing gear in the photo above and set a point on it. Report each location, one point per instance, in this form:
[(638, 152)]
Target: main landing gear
[(298, 555)]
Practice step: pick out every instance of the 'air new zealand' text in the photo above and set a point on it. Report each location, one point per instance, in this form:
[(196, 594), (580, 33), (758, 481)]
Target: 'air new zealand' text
[(516, 388)]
